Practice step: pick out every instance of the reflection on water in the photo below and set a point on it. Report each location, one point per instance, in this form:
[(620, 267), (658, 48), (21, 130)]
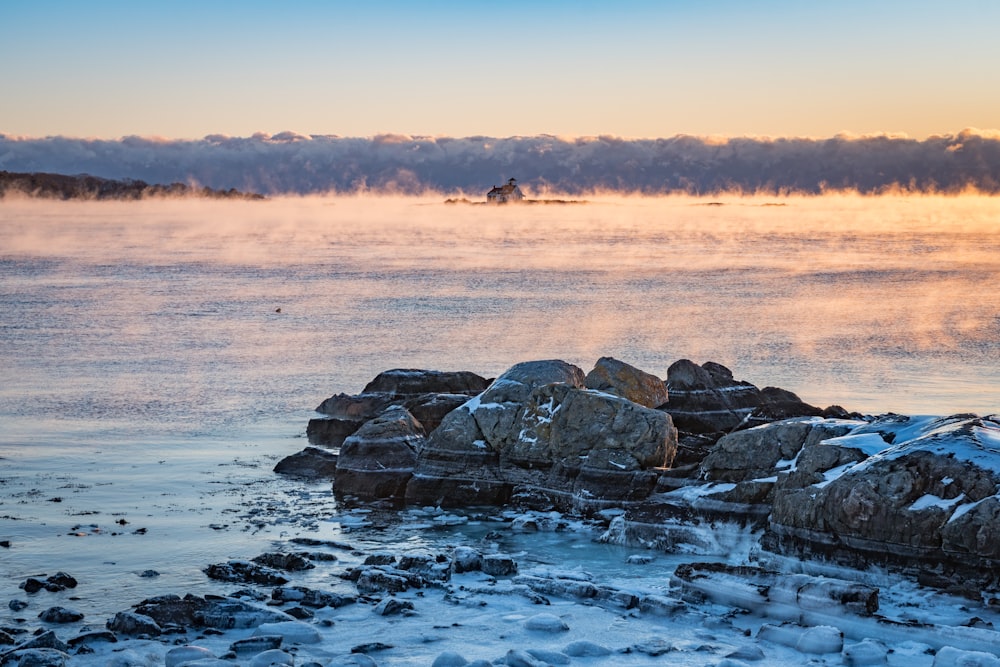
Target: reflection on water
[(162, 316)]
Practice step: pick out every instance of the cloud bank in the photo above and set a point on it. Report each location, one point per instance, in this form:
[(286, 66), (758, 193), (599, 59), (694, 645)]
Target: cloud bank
[(294, 163)]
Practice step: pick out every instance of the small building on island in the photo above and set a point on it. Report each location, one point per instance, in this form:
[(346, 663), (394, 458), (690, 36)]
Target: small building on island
[(505, 193)]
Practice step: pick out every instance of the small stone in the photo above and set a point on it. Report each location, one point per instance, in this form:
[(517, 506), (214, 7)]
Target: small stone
[(60, 615), (149, 574), (17, 605), (95, 637), (371, 647), (32, 585), (392, 606), (518, 658), (131, 623)]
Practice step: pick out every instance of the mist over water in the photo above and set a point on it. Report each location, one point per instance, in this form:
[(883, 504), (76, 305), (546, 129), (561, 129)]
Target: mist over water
[(164, 313)]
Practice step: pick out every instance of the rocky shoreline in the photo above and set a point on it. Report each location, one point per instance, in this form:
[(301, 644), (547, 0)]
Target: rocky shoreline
[(920, 495), (654, 466)]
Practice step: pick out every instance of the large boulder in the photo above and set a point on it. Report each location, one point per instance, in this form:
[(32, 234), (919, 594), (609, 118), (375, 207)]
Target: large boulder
[(537, 431), (378, 460), (929, 502), (459, 464), (616, 377), (332, 431)]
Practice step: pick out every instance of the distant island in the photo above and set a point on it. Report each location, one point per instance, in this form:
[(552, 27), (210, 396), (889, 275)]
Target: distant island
[(63, 187)]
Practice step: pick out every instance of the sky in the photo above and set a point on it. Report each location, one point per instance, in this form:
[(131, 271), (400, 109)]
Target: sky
[(630, 68)]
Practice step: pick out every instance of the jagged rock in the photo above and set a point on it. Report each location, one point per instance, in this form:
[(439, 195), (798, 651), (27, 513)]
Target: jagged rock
[(928, 503), (618, 378), (245, 572), (284, 561), (757, 452), (331, 431), (392, 606), (60, 615), (409, 381), (310, 463), (380, 559), (378, 460), (430, 409)]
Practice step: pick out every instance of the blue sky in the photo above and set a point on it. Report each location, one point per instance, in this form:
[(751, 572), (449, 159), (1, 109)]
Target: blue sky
[(627, 68)]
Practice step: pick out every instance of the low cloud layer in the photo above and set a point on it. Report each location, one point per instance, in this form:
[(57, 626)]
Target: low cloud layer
[(293, 163)]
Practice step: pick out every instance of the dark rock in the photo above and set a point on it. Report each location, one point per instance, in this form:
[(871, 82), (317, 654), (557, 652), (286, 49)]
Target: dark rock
[(706, 399), (310, 463), (60, 615), (95, 637), (355, 408), (32, 585), (618, 378), (245, 573), (149, 574), (331, 431), (380, 559), (256, 644), (195, 612), (371, 647), (430, 409), (392, 606), (131, 623), (62, 580), (407, 382), (17, 605), (466, 559), (300, 613), (378, 460), (284, 561), (499, 565)]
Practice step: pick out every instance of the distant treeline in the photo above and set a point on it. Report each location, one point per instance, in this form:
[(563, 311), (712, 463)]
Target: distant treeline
[(60, 186)]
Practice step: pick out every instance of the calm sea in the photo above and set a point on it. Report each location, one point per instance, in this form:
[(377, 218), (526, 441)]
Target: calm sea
[(158, 357)]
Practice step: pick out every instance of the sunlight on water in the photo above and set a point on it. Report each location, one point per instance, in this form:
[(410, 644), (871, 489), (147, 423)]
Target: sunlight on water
[(166, 311)]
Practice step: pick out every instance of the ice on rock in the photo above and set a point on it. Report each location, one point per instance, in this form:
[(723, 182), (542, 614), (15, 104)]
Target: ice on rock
[(272, 658), (181, 654), (546, 623), (821, 639), (953, 657), (866, 652), (518, 658), (450, 659), (294, 632), (549, 657), (585, 649)]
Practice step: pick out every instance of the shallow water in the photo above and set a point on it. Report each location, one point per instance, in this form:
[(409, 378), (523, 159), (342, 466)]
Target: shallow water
[(149, 377)]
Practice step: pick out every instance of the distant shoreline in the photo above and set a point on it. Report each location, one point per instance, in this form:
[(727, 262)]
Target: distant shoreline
[(463, 200), (40, 185)]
